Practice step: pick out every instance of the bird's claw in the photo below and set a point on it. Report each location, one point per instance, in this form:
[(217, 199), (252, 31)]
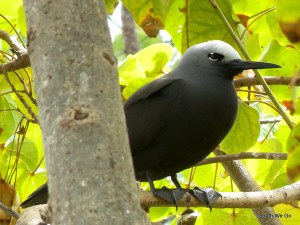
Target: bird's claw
[(206, 195), (170, 195)]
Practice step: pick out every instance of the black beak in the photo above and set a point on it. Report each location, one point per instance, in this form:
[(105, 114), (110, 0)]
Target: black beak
[(239, 64)]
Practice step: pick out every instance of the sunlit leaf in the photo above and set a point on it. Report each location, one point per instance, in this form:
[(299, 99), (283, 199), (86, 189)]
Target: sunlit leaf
[(154, 58), (9, 118), (244, 132), (134, 86), (29, 182), (288, 214), (110, 5), (288, 11), (293, 147), (28, 152), (22, 20), (227, 216)]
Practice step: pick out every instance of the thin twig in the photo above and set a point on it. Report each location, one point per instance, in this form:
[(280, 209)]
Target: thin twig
[(256, 17), (252, 81), (244, 155), (9, 211), (187, 24), (20, 97)]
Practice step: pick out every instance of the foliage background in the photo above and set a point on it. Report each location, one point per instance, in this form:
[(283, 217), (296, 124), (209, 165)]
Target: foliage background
[(268, 34)]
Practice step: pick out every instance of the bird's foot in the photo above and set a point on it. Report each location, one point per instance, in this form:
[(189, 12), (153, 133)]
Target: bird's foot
[(170, 195), (206, 195)]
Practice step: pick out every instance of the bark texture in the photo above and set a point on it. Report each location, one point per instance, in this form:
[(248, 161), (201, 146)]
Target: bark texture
[(91, 178)]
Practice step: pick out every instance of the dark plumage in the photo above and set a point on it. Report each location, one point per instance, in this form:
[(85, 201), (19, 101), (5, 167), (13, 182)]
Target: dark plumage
[(177, 120)]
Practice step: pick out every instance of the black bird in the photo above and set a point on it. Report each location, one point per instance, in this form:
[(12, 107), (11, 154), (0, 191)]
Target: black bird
[(177, 120)]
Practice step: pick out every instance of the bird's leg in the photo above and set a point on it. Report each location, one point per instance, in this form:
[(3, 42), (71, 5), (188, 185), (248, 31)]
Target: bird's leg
[(175, 181), (169, 195)]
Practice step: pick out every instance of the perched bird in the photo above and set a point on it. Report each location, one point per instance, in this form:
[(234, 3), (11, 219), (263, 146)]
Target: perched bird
[(177, 120)]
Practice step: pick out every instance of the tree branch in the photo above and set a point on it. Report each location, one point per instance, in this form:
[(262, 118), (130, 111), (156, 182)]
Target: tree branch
[(9, 211), (257, 199), (243, 155), (23, 59), (252, 81), (16, 46), (20, 63)]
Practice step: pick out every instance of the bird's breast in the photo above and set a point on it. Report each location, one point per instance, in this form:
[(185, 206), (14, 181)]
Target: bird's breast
[(201, 118)]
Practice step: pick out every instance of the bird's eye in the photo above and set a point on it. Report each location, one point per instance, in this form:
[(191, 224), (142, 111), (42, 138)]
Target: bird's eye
[(215, 56)]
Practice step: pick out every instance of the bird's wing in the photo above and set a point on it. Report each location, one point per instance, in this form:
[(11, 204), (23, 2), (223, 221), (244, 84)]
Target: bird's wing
[(149, 89), (146, 112)]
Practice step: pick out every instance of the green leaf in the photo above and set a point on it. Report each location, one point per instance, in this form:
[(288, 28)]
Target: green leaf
[(160, 213), (110, 5), (293, 147), (154, 58), (286, 56), (130, 69), (226, 216), (265, 171), (22, 20), (280, 181), (288, 11), (9, 9), (28, 152), (244, 132), (9, 118), (28, 182), (133, 86), (289, 215), (203, 23), (141, 68)]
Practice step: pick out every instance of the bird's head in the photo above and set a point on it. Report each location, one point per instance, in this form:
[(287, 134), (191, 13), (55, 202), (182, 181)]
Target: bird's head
[(220, 58)]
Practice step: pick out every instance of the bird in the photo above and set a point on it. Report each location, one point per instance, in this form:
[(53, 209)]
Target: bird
[(177, 120)]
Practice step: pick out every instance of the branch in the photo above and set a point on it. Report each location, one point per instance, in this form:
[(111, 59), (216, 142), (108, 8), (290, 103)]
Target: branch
[(243, 155), (9, 211), (16, 46), (252, 81), (23, 59), (257, 199), (20, 63)]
